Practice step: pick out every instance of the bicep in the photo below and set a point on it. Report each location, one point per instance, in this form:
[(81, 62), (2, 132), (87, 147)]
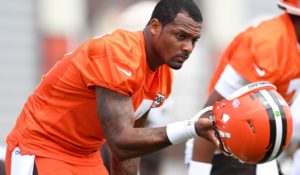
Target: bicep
[(115, 112)]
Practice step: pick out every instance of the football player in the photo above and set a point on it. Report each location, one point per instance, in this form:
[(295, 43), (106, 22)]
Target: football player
[(102, 92)]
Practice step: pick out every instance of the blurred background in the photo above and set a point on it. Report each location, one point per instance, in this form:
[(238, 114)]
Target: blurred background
[(34, 34)]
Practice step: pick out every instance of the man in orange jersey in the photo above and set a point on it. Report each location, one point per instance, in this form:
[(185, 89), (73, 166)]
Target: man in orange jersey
[(102, 92), (270, 52)]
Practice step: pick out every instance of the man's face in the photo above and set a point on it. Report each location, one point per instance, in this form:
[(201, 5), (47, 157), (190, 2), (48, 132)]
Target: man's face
[(177, 39)]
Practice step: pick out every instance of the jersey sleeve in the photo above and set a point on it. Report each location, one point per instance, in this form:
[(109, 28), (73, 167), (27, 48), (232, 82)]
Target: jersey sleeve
[(229, 82), (253, 57), (109, 66)]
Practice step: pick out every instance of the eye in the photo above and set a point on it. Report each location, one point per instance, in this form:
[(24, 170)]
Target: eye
[(180, 36)]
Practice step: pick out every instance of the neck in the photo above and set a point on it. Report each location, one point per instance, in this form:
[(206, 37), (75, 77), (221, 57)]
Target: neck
[(296, 23), (151, 56)]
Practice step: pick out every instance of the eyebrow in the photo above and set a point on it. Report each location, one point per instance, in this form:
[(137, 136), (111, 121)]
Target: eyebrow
[(189, 33)]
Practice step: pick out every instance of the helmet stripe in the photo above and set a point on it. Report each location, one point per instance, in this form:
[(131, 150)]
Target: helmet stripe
[(270, 114), (284, 122), (278, 121)]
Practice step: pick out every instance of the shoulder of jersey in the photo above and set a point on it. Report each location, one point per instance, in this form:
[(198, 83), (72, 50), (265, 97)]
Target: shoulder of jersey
[(124, 49), (271, 30), (120, 44)]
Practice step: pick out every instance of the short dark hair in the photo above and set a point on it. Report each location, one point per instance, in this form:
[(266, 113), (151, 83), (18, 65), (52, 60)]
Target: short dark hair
[(166, 10)]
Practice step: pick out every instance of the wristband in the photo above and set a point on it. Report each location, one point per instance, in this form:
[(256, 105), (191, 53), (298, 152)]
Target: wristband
[(179, 132)]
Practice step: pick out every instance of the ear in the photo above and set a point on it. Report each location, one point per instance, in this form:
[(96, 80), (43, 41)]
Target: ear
[(155, 26)]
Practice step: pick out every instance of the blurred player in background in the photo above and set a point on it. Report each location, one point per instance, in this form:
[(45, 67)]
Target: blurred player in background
[(270, 52), (102, 92)]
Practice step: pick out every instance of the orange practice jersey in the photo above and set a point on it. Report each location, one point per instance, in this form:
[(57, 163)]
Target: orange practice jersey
[(60, 121), (268, 52)]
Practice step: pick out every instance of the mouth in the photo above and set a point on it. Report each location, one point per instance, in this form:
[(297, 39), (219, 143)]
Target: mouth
[(182, 58)]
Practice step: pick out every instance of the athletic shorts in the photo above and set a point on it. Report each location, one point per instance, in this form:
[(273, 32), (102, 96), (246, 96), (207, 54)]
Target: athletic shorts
[(224, 165), (17, 164)]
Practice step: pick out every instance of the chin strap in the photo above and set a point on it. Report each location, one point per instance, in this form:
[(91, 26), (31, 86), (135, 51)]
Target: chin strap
[(220, 134)]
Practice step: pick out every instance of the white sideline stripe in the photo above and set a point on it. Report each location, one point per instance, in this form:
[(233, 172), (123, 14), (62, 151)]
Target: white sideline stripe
[(278, 121)]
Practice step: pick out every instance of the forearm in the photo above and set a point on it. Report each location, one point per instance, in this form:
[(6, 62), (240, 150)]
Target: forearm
[(135, 142), (146, 140), (128, 139), (126, 167)]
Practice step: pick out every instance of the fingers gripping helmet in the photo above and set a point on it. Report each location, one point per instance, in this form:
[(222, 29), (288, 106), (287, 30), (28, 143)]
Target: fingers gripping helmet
[(291, 6), (254, 124)]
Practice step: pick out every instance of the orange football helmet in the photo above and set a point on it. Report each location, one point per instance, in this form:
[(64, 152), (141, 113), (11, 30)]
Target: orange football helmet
[(254, 124), (291, 6)]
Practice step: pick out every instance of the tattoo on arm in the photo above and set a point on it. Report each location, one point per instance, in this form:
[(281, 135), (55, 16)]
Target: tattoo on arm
[(126, 167), (126, 137), (115, 111)]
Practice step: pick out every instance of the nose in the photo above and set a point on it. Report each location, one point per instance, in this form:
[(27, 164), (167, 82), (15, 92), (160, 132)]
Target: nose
[(188, 46)]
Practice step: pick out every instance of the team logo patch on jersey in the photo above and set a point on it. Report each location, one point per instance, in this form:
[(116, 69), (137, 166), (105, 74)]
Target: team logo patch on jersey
[(158, 100)]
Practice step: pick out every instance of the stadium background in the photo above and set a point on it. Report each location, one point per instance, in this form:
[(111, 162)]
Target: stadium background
[(34, 34)]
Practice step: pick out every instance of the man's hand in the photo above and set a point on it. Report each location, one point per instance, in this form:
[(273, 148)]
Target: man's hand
[(204, 128)]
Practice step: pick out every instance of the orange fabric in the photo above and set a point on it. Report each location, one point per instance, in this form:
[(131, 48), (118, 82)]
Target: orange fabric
[(46, 166), (59, 120), (272, 47), (8, 161)]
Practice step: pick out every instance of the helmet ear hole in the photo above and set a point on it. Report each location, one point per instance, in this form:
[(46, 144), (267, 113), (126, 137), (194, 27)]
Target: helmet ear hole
[(251, 126)]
